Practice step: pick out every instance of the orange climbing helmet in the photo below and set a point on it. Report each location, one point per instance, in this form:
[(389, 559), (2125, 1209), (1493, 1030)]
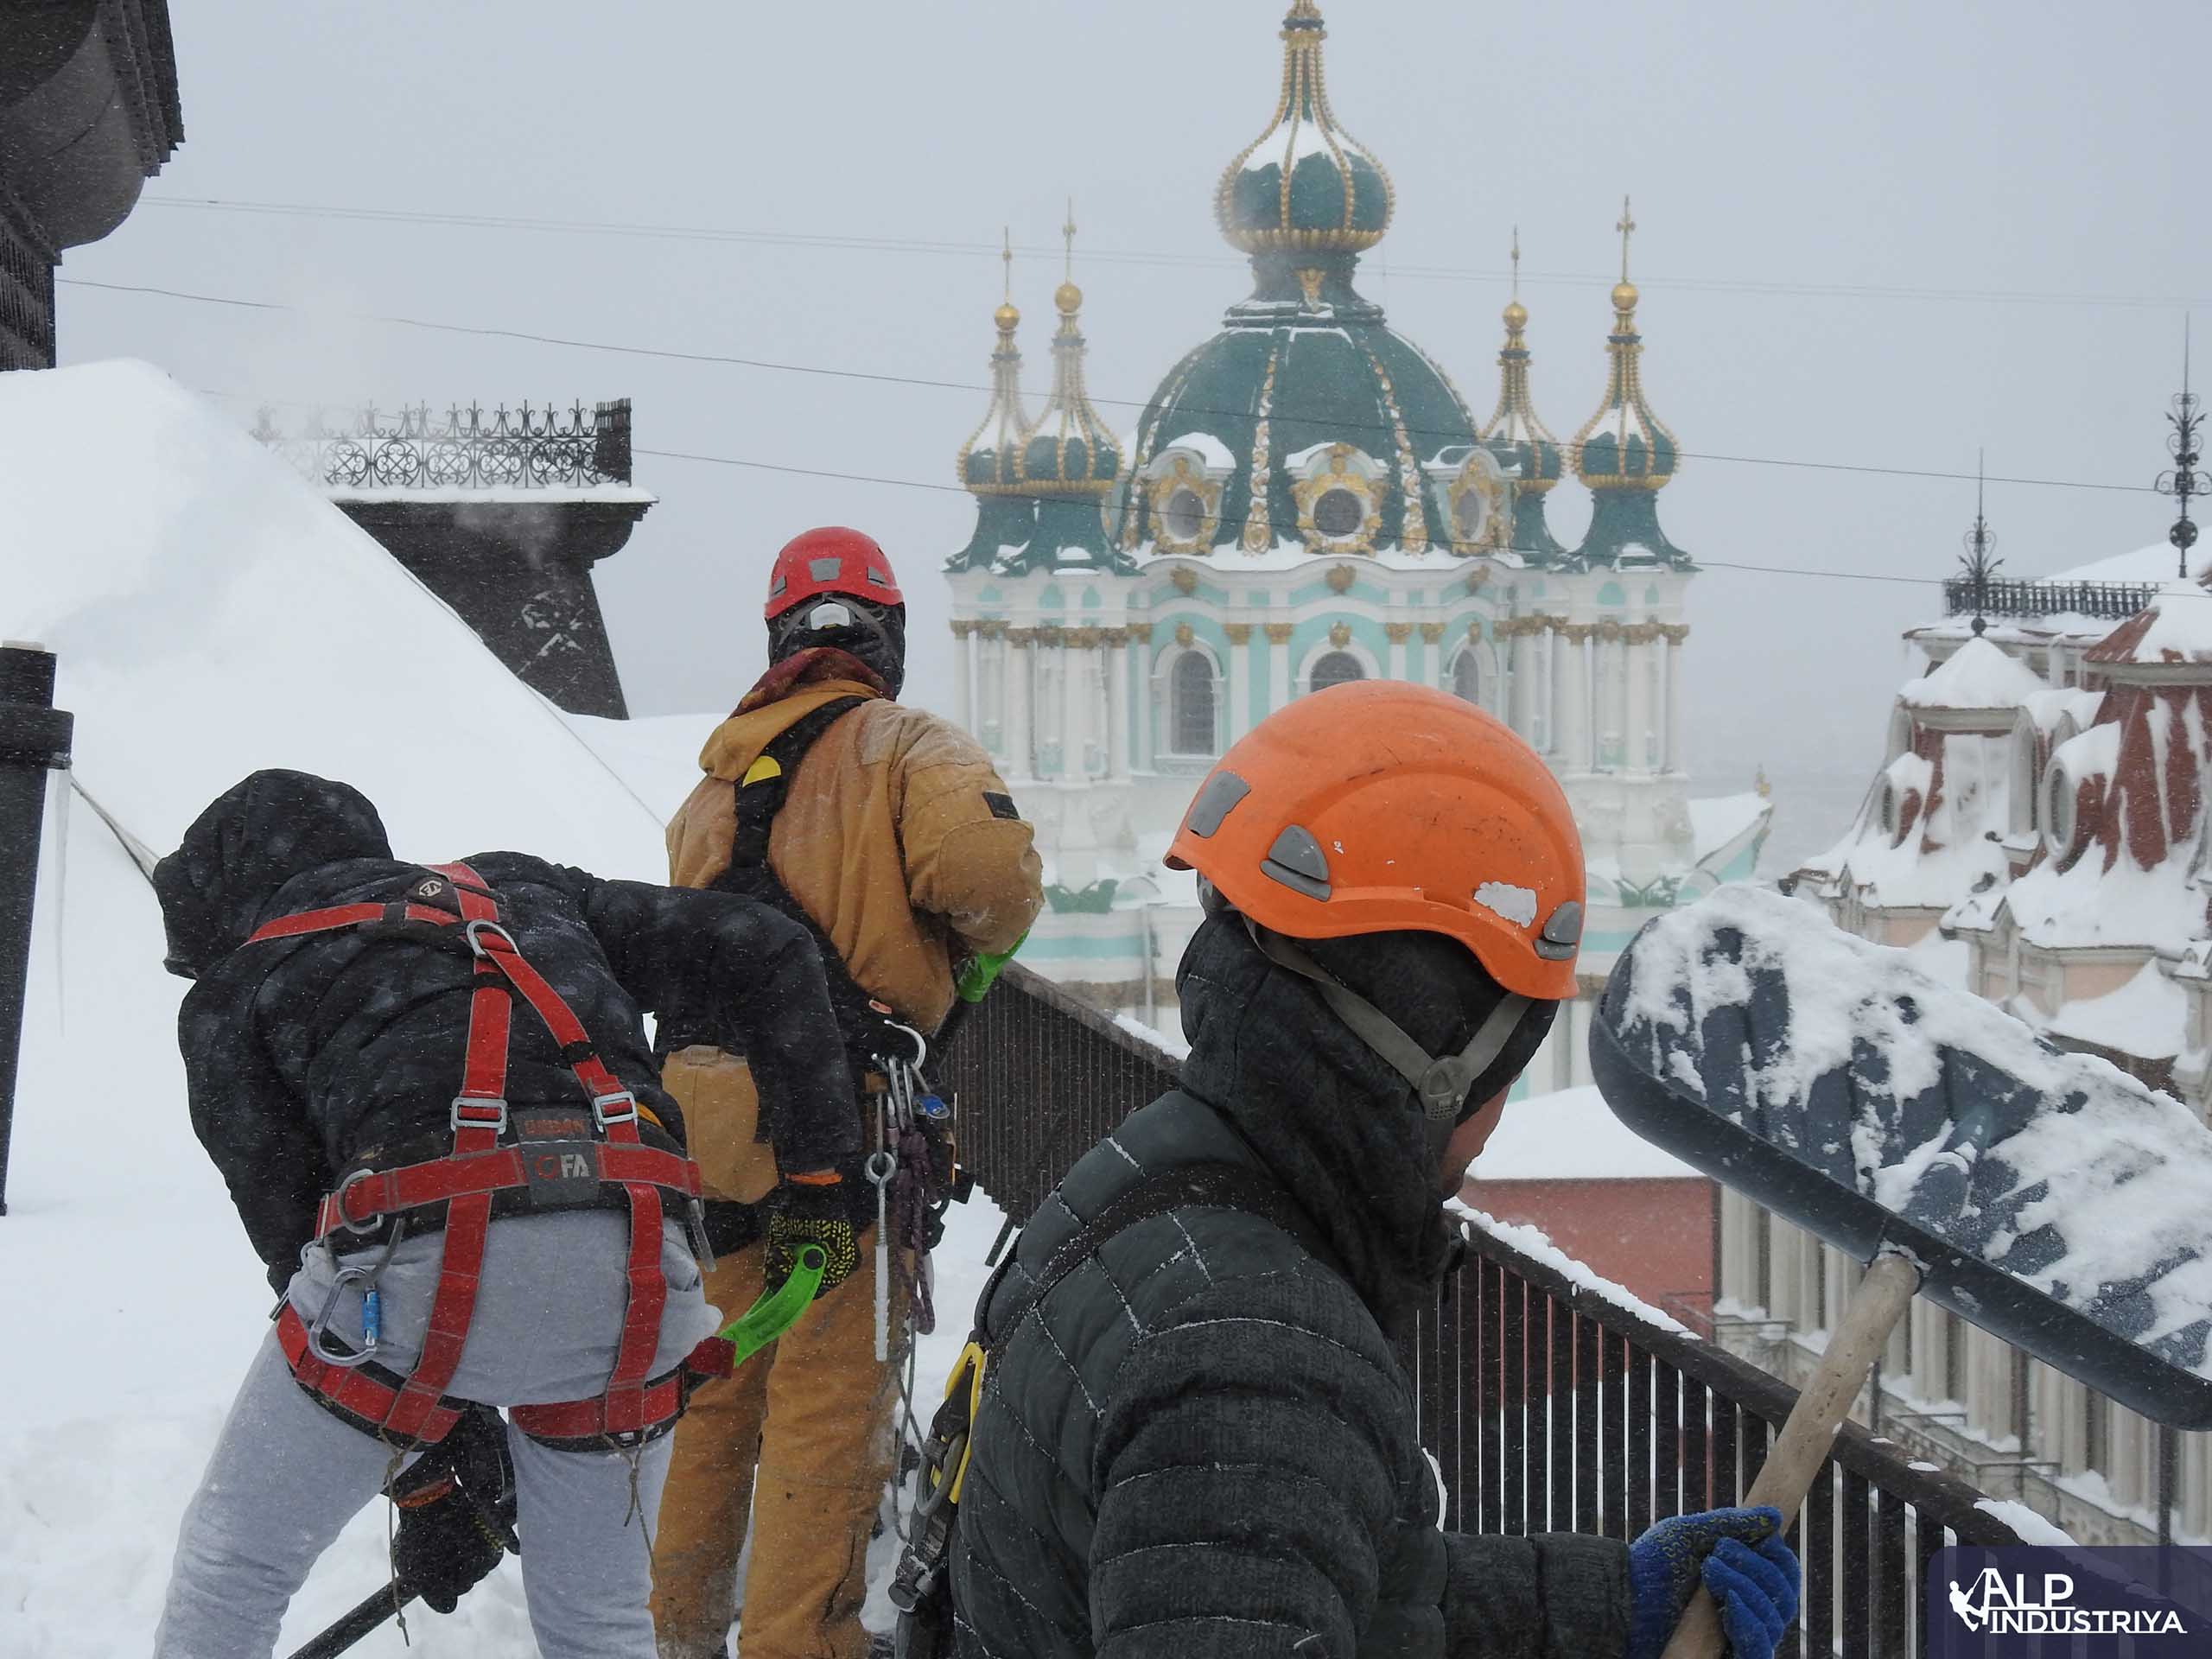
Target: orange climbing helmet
[(1379, 807)]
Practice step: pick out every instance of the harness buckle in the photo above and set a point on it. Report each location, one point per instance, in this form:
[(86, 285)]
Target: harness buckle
[(475, 932), (368, 1224), (606, 1112), (479, 1112)]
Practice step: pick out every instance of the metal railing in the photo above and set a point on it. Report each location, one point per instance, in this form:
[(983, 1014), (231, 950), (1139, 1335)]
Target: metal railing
[(2111, 601), (523, 449), (1549, 1403)]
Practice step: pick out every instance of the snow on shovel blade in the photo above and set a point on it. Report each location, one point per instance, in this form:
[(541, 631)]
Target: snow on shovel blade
[(2047, 1196)]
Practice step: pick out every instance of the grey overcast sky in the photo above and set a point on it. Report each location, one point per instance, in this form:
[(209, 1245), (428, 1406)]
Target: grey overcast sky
[(1878, 234)]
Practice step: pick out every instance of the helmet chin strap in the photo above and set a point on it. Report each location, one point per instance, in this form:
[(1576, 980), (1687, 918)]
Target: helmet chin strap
[(1439, 1083)]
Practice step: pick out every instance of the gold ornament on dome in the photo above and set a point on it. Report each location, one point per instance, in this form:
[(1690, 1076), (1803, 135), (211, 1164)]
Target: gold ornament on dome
[(1259, 533), (1480, 506), (1183, 635), (1413, 532), (1184, 578), (1340, 578), (1204, 491), (1339, 635), (1302, 111), (1336, 473), (1309, 283)]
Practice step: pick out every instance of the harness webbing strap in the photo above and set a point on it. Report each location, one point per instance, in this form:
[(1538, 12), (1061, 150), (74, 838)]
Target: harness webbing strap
[(414, 1409)]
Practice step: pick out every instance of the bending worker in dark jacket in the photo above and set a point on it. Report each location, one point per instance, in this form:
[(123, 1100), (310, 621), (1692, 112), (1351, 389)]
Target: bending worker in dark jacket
[(1200, 1442), (429, 1091)]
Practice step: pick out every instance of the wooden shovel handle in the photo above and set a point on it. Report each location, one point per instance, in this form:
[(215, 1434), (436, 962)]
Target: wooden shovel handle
[(1806, 1439)]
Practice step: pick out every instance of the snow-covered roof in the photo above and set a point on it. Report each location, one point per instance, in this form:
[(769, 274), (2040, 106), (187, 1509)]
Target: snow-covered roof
[(1977, 676), (1720, 822), (219, 615), (2051, 706), (2175, 628), (2145, 1018), (1929, 833), (1570, 1135), (2153, 563)]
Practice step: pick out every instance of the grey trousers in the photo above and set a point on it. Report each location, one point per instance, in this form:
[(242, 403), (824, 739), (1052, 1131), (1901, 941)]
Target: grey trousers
[(286, 1476)]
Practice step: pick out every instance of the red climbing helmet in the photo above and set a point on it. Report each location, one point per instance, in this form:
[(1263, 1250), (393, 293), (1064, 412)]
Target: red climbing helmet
[(831, 559)]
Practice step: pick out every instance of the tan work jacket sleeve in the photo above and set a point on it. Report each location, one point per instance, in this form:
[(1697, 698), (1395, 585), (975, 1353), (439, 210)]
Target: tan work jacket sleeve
[(968, 855)]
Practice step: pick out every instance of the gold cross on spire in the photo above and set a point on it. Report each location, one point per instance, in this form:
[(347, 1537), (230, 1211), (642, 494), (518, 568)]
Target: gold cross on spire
[(1006, 255), (1067, 232), (1517, 262), (1627, 228)]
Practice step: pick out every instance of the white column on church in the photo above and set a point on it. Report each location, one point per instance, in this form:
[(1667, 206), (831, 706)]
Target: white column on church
[(1397, 633), (972, 657), (1576, 746), (1118, 703), (1557, 746), (964, 677), (1675, 636), (1518, 686), (1075, 695), (1240, 677), (1020, 759), (1140, 638), (1278, 665), (1636, 725)]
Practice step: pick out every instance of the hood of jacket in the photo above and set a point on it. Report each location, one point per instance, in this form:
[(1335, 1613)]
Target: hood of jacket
[(777, 703), (1334, 1123), (256, 836)]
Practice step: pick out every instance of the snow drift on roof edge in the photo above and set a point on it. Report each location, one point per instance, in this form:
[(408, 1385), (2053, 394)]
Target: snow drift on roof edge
[(213, 614)]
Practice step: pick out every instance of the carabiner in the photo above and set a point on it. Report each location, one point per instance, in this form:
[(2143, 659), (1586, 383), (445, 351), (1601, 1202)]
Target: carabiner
[(321, 1325)]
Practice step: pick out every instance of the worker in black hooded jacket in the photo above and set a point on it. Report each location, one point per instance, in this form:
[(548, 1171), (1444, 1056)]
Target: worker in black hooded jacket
[(1193, 1438), (311, 1058)]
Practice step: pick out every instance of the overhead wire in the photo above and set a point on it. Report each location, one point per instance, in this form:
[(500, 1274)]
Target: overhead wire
[(928, 383), (1138, 255)]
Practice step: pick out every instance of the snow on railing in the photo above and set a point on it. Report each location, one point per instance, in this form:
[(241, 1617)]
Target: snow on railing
[(525, 447)]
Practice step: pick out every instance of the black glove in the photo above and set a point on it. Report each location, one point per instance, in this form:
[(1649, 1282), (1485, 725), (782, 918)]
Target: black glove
[(805, 1213), (456, 1511)]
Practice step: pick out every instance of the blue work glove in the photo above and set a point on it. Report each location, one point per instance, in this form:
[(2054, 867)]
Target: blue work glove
[(1738, 1555)]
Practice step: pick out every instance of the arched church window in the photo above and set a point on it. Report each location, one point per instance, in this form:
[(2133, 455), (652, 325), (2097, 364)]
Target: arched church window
[(1470, 517), (1467, 678), (1338, 513), (1190, 705), (1338, 668), (1185, 515)]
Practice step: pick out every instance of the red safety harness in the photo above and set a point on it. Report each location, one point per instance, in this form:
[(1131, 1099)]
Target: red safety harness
[(551, 1158)]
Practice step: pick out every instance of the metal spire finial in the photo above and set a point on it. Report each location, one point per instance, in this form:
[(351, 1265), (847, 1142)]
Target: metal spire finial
[(2184, 481), (1979, 544), (1006, 255), (1627, 228), (1067, 232), (1517, 262)]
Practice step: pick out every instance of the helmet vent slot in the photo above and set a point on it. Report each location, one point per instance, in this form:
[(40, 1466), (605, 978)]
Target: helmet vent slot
[(1296, 860), (1222, 793)]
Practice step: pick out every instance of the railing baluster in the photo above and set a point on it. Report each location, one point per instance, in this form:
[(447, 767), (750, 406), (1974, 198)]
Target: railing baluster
[(1727, 1425), (1613, 1368), (1639, 1440), (1667, 1440), (1892, 1593), (1513, 1374), (1856, 1524), (1817, 1554), (1586, 1396), (1534, 1361), (1467, 1388), (1491, 1402), (1697, 1455), (1559, 1378)]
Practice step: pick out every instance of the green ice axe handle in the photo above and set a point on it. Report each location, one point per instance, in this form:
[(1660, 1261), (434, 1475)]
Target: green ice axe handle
[(778, 1310), (981, 972)]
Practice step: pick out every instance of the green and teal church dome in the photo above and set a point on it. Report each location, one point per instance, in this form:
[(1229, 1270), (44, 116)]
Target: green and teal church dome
[(1525, 449), (1624, 454), (1306, 426)]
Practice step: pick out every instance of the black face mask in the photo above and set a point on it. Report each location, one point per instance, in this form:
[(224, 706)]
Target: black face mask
[(874, 633)]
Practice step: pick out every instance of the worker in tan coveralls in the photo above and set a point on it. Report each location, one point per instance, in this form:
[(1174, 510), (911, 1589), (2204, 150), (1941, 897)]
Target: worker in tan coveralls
[(899, 841)]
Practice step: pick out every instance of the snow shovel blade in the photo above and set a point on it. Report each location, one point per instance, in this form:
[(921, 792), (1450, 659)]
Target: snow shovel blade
[(2046, 1197)]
